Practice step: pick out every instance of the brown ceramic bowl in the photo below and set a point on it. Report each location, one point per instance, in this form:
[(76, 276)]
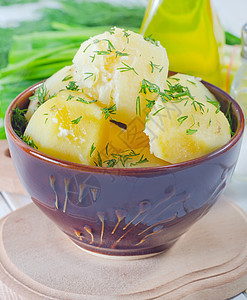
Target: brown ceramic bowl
[(125, 212)]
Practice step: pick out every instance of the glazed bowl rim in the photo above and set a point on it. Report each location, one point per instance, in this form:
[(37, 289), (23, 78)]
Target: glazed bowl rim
[(122, 171)]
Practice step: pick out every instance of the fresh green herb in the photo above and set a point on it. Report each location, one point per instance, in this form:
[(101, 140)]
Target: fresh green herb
[(76, 121), (141, 161), (191, 131), (27, 139), (191, 82), (181, 120), (46, 120), (99, 162), (229, 117), (93, 57), (150, 104), (108, 111), (209, 123), (151, 40), (127, 68), (66, 78), (200, 105), (174, 78), (41, 94), (124, 156), (138, 106), (72, 86), (89, 75), (118, 53), (154, 66), (126, 34), (149, 86), (18, 120), (215, 103), (93, 147), (110, 46), (82, 100), (106, 149), (79, 99), (70, 97), (102, 52), (111, 162), (158, 111)]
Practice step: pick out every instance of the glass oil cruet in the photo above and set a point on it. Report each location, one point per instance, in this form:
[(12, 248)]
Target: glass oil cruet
[(239, 93), (191, 33)]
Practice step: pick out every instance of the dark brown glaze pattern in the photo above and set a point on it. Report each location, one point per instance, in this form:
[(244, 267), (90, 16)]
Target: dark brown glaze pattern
[(125, 211)]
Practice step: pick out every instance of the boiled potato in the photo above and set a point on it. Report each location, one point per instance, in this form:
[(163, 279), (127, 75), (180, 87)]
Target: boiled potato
[(67, 125), (186, 127), (115, 67), (50, 87), (196, 88)]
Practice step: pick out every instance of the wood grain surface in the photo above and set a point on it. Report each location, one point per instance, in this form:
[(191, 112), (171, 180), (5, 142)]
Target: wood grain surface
[(9, 181), (38, 261)]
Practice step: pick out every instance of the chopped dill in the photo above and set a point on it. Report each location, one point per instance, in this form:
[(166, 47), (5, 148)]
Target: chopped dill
[(76, 121), (27, 139), (90, 75), (66, 78), (41, 94), (127, 68), (93, 147), (108, 111), (182, 119), (72, 86), (151, 40), (138, 106), (215, 103), (154, 66), (140, 161), (18, 120), (70, 97), (191, 131)]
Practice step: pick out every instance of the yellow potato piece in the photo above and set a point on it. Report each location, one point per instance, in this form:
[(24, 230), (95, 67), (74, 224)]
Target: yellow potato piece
[(66, 128), (196, 88), (50, 87), (111, 67), (181, 130)]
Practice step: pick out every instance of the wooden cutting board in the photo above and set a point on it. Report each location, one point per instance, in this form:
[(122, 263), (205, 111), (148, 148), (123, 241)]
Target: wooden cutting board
[(38, 261), (9, 181)]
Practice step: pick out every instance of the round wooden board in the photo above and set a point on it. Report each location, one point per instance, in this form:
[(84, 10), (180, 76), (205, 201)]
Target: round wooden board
[(37, 261)]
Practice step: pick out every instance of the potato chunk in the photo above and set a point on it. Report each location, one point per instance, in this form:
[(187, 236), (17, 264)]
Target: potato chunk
[(111, 67), (50, 87), (186, 127), (67, 125)]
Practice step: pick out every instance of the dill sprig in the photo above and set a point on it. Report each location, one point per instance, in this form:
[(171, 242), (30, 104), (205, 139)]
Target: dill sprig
[(108, 111), (140, 161), (18, 120), (89, 75), (127, 68), (40, 94), (138, 106), (191, 131), (182, 119), (215, 103), (151, 40), (27, 139), (93, 147), (79, 99), (66, 78), (76, 121), (154, 66), (72, 86)]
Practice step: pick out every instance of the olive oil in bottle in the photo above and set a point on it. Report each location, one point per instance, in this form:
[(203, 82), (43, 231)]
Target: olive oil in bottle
[(191, 33)]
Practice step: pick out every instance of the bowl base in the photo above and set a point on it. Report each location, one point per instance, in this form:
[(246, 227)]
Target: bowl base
[(118, 257)]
